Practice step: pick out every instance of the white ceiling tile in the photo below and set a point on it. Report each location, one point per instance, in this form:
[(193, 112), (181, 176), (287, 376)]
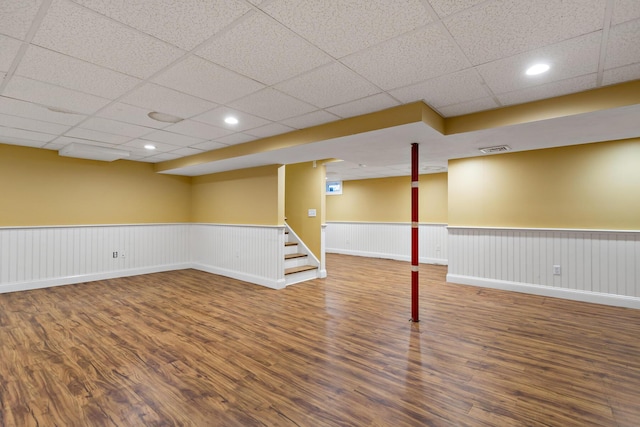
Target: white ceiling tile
[(97, 136), (198, 130), (27, 135), (66, 140), (549, 90), (173, 138), (30, 124), (186, 151), (115, 127), (184, 23), (571, 58), (8, 50), (138, 146), (54, 146), (245, 121), (201, 78), (62, 70), (468, 107), (503, 28), (622, 74), (162, 157), (343, 27), (262, 104), (269, 130), (625, 10), (30, 110), (53, 96), (623, 47), (208, 146), (408, 59), (16, 17), (447, 7), (311, 119), (21, 141), (165, 100), (236, 138), (76, 31), (450, 89), (370, 104), (329, 85), (130, 114), (264, 50)]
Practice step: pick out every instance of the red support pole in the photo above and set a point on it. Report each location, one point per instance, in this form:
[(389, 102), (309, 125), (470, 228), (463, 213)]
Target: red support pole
[(414, 233)]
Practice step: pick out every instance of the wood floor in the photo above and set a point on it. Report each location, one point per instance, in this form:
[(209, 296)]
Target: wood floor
[(190, 348)]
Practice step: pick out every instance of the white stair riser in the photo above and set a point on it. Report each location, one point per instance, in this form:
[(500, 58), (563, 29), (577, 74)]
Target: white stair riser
[(295, 262), (290, 279), (293, 249)]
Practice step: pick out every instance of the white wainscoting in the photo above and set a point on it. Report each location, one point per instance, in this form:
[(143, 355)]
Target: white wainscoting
[(251, 253), (596, 266), (387, 240), (36, 257)]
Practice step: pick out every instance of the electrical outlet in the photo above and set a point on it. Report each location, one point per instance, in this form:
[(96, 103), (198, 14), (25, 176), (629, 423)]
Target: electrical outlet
[(115, 254), (557, 270)]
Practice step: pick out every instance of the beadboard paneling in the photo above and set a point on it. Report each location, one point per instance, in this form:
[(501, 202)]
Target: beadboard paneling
[(32, 257), (596, 266), (387, 240), (251, 253)]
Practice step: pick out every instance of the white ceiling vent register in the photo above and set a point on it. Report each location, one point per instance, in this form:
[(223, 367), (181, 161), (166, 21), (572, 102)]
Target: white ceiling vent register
[(92, 152), (496, 149)]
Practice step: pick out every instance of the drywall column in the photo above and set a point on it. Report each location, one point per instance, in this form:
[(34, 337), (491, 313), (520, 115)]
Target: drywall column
[(414, 233)]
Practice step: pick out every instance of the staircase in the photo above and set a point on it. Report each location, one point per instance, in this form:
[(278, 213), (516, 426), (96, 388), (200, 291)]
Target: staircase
[(300, 264)]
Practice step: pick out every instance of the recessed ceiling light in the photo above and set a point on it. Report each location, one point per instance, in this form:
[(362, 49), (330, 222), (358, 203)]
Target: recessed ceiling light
[(537, 69), (231, 120), (164, 117), (149, 146)]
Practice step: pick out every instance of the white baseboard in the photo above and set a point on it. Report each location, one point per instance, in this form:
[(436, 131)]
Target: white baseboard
[(83, 278), (421, 260), (548, 291), (238, 275)]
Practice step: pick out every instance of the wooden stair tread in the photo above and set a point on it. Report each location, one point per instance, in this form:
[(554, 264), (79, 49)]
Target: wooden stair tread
[(290, 243), (297, 255), (299, 269)]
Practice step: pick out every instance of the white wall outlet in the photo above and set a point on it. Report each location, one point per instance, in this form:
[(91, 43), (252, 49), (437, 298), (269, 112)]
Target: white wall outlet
[(312, 213), (115, 254), (557, 270)]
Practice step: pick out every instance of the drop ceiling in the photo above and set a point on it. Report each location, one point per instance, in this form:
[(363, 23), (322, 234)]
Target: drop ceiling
[(89, 72)]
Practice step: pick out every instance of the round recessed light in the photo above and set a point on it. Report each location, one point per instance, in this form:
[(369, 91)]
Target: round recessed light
[(149, 146), (164, 117), (231, 120), (537, 69)]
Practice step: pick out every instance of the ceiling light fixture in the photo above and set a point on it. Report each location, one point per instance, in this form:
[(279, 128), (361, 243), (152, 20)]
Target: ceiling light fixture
[(164, 117), (149, 146), (231, 120), (537, 69), (362, 165)]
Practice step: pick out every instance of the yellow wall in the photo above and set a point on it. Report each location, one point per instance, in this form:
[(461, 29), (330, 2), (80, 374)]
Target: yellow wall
[(305, 190), (592, 186), (41, 188), (389, 200), (246, 196)]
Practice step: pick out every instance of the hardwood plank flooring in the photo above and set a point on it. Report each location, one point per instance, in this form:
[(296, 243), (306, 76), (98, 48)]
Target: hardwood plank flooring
[(194, 349)]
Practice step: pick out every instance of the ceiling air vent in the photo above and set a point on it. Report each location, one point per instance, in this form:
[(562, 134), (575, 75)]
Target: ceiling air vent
[(496, 149)]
